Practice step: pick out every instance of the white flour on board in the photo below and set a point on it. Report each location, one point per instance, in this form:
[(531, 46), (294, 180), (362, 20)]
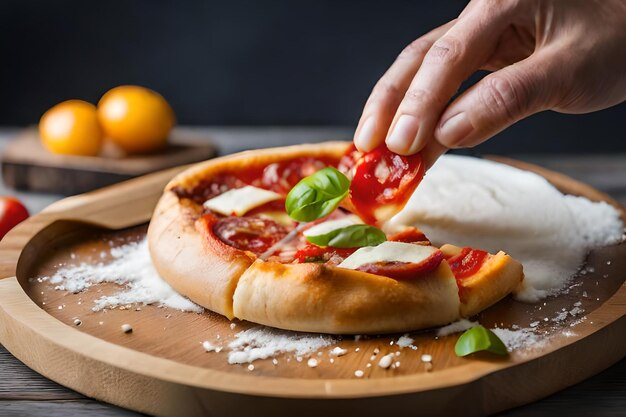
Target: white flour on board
[(263, 342), (132, 269)]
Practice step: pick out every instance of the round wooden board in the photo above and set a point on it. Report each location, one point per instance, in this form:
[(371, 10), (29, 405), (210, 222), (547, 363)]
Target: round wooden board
[(161, 368)]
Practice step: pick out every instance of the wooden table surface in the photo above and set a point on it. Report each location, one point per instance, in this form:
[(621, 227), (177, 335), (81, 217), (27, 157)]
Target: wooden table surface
[(23, 392)]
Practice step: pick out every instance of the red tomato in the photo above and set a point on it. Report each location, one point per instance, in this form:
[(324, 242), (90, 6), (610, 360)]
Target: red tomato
[(12, 212), (404, 270), (467, 263), (382, 177), (253, 234)]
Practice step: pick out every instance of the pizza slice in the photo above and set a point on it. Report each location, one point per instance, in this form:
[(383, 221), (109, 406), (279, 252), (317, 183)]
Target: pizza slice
[(281, 237)]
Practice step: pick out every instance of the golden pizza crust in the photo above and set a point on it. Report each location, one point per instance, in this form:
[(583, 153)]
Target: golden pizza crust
[(305, 297), (316, 298), (194, 266), (497, 278)]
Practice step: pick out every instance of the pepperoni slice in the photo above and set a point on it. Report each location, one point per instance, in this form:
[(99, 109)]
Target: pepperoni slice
[(313, 253), (282, 176), (382, 177), (404, 270), (252, 234), (409, 235), (467, 262)]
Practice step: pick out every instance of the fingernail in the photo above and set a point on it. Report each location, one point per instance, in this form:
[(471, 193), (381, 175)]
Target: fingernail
[(453, 131), (403, 134), (365, 139)]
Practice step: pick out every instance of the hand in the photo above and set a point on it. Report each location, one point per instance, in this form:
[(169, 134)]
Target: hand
[(564, 55)]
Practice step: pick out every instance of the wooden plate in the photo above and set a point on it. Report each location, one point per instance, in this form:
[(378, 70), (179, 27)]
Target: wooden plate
[(161, 368)]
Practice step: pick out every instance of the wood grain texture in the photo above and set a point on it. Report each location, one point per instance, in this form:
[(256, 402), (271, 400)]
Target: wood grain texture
[(21, 383), (204, 387), (63, 408), (26, 393), (26, 165)]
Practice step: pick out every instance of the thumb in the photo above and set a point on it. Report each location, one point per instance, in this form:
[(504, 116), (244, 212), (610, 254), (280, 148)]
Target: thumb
[(496, 102)]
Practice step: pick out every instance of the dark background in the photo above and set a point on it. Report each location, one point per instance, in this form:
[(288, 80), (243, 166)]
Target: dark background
[(242, 63)]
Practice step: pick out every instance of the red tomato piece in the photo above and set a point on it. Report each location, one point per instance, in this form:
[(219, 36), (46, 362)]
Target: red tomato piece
[(281, 177), (467, 263), (404, 270), (252, 234), (382, 177), (409, 235), (12, 212)]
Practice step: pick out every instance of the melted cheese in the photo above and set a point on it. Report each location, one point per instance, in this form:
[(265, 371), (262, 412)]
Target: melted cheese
[(332, 225), (388, 252), (241, 200)]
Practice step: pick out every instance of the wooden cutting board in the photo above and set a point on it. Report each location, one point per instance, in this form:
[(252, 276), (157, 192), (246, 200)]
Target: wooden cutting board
[(26, 165), (160, 368)]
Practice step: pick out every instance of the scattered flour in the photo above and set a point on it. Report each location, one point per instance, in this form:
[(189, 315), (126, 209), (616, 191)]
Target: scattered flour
[(264, 342), (484, 204), (457, 326), (386, 361), (519, 339), (404, 341), (337, 351), (131, 268)]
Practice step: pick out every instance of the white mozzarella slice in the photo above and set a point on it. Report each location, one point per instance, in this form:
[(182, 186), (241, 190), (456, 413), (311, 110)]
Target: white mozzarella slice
[(239, 201), (331, 225), (388, 252)]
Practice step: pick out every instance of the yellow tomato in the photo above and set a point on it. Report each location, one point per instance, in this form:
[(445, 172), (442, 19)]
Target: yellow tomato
[(135, 118), (71, 128)]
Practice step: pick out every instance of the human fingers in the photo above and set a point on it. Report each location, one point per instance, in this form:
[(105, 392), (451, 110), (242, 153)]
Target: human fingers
[(462, 50), (389, 91), (499, 100)]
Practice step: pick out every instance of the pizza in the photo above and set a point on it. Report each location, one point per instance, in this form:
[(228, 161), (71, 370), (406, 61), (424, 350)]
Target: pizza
[(297, 238)]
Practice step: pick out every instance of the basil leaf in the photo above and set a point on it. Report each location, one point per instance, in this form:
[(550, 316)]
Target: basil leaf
[(317, 195), (477, 339), (353, 236)]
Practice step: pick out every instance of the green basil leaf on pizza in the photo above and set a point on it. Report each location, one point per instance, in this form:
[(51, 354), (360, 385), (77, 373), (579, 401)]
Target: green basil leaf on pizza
[(354, 236), (317, 195)]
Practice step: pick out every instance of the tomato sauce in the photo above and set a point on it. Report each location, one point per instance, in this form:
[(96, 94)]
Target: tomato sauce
[(280, 177), (409, 235), (313, 253)]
